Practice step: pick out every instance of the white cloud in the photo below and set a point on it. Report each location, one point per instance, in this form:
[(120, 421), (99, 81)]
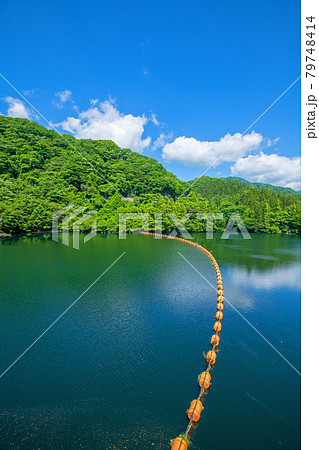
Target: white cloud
[(161, 141), (191, 152), (154, 119), (63, 97), (270, 143), (17, 108), (94, 101), (273, 169), (104, 121)]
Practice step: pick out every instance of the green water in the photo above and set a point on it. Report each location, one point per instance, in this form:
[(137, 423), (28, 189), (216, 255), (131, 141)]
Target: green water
[(120, 368)]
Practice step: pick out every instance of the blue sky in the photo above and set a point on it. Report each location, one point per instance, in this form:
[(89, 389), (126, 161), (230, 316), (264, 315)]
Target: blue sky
[(179, 81)]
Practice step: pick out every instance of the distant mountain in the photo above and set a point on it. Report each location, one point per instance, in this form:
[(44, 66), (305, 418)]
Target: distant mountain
[(209, 187), (279, 189)]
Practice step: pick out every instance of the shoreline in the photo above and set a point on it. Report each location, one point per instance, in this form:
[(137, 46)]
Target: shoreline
[(26, 233)]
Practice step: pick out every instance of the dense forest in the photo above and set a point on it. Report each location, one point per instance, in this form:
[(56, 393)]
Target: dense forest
[(279, 189), (40, 173)]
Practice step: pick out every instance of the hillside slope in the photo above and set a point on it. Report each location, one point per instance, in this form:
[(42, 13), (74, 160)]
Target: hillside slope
[(40, 173), (278, 189)]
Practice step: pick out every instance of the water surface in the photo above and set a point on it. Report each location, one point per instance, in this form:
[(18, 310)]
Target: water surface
[(120, 368)]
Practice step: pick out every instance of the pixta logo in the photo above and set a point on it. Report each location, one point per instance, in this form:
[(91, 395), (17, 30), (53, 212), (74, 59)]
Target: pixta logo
[(234, 222), (65, 226)]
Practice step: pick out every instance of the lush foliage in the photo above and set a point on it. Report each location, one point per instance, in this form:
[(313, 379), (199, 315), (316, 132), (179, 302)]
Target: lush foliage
[(279, 189), (40, 173)]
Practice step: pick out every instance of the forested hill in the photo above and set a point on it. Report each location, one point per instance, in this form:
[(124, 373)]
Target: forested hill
[(40, 173), (279, 189), (210, 187)]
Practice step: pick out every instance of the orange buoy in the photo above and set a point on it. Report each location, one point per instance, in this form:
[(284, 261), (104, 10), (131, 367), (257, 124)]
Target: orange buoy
[(179, 444), (204, 378), (211, 357), (220, 292), (195, 410), (215, 340), (217, 327), (220, 306), (220, 299), (219, 315)]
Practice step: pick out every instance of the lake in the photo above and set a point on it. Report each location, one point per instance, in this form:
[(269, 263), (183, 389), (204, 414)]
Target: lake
[(120, 368)]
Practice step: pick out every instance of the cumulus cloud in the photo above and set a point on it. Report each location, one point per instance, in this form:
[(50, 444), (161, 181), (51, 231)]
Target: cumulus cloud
[(104, 121), (17, 108), (273, 169), (161, 141), (192, 152)]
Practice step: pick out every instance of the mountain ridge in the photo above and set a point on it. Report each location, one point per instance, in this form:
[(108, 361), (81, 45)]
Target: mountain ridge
[(257, 184)]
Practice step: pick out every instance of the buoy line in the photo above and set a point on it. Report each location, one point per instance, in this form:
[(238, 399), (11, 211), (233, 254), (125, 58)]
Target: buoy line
[(204, 379)]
